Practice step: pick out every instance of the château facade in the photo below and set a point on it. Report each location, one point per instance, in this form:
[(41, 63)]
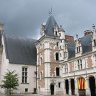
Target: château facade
[(54, 64), (65, 65)]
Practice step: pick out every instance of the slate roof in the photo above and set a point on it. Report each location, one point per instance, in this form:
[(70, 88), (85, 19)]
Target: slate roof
[(86, 43), (20, 50), (71, 49), (50, 25)]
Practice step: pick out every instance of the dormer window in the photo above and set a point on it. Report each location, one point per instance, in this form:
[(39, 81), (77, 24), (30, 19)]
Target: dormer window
[(65, 54), (78, 49), (59, 34), (94, 42), (56, 33)]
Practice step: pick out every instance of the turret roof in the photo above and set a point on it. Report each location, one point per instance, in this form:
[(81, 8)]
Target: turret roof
[(50, 25)]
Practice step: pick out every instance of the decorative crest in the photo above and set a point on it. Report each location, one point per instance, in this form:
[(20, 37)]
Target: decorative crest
[(77, 36)]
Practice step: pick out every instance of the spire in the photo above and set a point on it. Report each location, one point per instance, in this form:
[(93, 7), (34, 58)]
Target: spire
[(77, 36), (50, 25)]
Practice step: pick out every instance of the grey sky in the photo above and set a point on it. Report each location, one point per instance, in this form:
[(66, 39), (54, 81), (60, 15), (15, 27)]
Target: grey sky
[(24, 17)]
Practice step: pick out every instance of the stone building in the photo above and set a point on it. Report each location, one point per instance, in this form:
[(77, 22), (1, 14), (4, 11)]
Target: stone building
[(19, 55), (65, 65)]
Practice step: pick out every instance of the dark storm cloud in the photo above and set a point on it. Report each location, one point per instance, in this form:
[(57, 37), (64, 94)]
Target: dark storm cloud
[(24, 17)]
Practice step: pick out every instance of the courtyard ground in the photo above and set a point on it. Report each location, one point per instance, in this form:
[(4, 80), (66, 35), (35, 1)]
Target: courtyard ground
[(31, 95)]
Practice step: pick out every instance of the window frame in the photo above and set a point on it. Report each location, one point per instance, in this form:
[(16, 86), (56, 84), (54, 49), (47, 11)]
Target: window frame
[(59, 84), (25, 75), (57, 56), (57, 71), (78, 49), (94, 42), (79, 64)]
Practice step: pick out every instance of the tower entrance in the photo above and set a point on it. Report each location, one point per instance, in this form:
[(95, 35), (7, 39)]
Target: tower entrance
[(52, 89)]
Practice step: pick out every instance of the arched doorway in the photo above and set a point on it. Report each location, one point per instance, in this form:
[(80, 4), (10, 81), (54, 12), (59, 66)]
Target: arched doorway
[(72, 87), (52, 89), (81, 86), (67, 86), (92, 85)]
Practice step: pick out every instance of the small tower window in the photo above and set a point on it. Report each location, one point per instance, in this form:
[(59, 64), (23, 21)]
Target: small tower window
[(57, 71), (56, 33), (59, 84), (40, 75), (60, 47), (40, 60), (57, 43), (57, 56), (94, 42), (59, 34), (78, 49)]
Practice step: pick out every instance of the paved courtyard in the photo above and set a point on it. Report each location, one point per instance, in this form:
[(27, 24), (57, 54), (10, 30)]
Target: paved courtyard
[(31, 95)]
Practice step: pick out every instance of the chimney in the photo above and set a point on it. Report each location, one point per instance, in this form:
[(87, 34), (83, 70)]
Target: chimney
[(69, 38), (87, 32)]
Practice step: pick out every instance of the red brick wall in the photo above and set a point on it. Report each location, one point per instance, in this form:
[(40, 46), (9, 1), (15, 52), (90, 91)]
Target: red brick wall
[(41, 68), (69, 38), (71, 66), (53, 63), (89, 62)]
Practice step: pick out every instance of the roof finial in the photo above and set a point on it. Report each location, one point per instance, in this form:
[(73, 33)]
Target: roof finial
[(76, 36), (50, 12)]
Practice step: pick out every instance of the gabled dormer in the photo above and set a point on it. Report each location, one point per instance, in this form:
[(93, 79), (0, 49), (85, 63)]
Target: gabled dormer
[(78, 47), (94, 38), (61, 32), (56, 33), (66, 52)]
